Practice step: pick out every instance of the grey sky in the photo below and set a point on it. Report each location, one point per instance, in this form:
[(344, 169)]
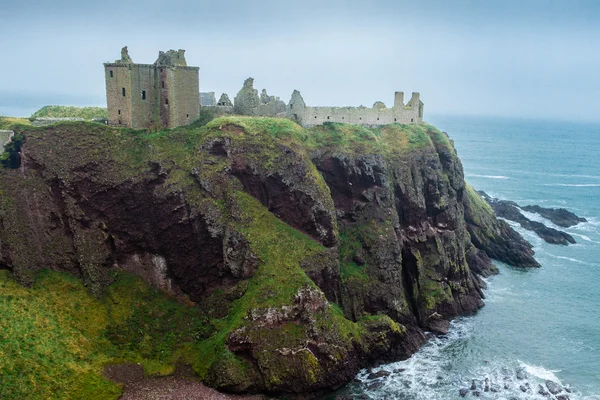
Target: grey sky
[(511, 58)]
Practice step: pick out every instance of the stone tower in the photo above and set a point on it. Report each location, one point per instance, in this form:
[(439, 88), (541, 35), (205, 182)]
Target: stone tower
[(160, 95)]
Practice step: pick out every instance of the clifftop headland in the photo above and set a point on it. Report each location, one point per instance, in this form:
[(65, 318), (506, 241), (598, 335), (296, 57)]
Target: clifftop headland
[(303, 254)]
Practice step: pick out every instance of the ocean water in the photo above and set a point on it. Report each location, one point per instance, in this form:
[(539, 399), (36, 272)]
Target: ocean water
[(544, 322)]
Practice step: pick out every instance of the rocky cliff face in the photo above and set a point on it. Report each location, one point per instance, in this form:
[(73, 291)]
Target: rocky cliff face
[(310, 253)]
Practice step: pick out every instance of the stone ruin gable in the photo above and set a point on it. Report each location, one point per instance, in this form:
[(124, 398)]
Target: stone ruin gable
[(224, 101), (379, 114), (164, 94), (5, 137), (223, 106), (208, 99), (248, 102)]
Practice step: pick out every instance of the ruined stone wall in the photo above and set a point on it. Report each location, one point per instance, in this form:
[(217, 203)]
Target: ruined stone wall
[(184, 92), (118, 77), (374, 116), (143, 96), (247, 102), (218, 110), (208, 99), (5, 137)]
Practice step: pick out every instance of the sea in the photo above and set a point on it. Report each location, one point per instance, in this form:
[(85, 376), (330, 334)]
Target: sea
[(543, 324)]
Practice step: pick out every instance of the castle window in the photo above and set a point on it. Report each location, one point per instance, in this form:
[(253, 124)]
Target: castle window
[(163, 84), (328, 117), (167, 101), (342, 117), (315, 116), (412, 120), (111, 74), (394, 119), (187, 115), (123, 92), (119, 112), (377, 119), (143, 95)]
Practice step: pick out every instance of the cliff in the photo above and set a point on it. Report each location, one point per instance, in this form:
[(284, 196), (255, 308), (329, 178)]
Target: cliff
[(305, 255)]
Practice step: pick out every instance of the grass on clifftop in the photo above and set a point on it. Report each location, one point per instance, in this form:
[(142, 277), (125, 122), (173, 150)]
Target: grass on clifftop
[(10, 122), (70, 112)]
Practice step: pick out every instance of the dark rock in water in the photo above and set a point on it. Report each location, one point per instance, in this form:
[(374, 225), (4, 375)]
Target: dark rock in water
[(510, 210), (379, 374), (562, 397), (525, 388), (521, 374), (494, 237), (494, 388), (439, 326), (477, 393), (375, 385), (568, 389), (398, 370), (473, 384), (463, 392), (558, 216), (553, 387), (543, 391), (486, 386)]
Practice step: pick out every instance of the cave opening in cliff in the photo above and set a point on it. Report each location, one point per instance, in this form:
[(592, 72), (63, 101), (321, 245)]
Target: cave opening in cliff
[(410, 274)]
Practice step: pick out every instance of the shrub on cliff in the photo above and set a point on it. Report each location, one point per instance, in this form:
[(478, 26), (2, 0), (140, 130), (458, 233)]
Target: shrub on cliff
[(11, 158)]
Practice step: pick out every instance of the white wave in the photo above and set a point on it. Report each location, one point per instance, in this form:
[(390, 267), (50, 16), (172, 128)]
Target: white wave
[(573, 184), (488, 176), (430, 374), (584, 237), (569, 259), (541, 372)]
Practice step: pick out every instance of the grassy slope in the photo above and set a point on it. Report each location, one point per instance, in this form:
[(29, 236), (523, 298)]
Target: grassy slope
[(70, 112), (55, 337), (59, 333)]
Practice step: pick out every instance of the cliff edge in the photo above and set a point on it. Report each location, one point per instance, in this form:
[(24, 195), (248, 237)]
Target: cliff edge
[(304, 255)]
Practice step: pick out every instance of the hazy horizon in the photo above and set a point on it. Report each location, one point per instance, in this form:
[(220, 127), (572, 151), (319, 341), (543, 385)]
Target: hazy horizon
[(535, 59)]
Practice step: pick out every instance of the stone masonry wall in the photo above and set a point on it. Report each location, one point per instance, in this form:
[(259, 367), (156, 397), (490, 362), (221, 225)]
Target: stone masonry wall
[(118, 105), (185, 100), (143, 96), (306, 116), (163, 94)]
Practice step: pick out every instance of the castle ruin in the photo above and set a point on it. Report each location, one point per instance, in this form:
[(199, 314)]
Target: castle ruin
[(160, 95), (166, 95), (379, 114)]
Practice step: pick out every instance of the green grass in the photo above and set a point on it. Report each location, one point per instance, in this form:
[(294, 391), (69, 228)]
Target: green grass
[(10, 122), (479, 206), (70, 112), (55, 338), (279, 277)]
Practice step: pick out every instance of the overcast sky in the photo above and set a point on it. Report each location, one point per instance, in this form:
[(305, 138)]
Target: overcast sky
[(536, 58)]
